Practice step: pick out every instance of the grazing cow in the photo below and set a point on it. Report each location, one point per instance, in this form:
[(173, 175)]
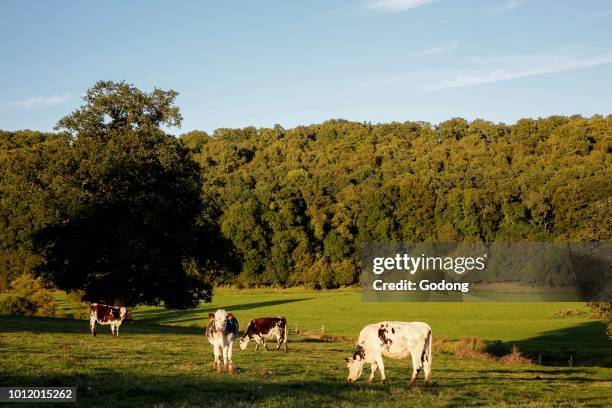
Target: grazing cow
[(265, 327), (396, 340), (106, 315), (221, 332)]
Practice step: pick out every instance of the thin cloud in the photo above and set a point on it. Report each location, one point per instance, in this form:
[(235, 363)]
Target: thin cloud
[(394, 6), (508, 5), (514, 67), (438, 49), (482, 71), (37, 101)]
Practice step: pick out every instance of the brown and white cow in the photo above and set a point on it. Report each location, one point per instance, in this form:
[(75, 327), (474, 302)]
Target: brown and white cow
[(221, 332), (106, 315), (265, 327), (396, 340)]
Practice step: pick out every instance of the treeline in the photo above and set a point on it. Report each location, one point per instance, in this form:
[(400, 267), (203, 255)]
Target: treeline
[(297, 204), (292, 207)]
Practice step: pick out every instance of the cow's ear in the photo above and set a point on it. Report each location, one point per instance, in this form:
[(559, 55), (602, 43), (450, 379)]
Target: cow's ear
[(211, 316), (230, 316)]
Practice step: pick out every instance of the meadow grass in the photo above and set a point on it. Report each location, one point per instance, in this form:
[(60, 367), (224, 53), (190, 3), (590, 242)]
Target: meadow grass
[(162, 358), (532, 326)]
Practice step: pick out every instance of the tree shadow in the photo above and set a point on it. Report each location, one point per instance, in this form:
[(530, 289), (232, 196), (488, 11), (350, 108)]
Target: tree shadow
[(107, 387), (585, 344), (553, 379), (41, 325), (556, 371), (190, 315)]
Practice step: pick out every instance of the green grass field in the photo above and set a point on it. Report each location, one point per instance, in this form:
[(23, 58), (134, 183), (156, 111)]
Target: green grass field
[(162, 358)]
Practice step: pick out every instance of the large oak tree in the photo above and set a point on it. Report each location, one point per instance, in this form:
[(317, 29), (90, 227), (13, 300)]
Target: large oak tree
[(126, 229)]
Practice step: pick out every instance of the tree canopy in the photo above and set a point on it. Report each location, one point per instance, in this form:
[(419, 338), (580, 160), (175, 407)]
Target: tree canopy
[(116, 206), (299, 203), (119, 201)]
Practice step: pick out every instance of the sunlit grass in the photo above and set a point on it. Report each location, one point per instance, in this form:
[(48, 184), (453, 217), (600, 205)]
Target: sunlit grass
[(160, 365)]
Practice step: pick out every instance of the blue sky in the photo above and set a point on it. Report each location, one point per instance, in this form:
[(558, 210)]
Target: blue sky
[(243, 63)]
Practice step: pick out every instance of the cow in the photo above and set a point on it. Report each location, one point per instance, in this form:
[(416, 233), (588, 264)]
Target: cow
[(265, 327), (221, 332), (396, 340), (106, 315)]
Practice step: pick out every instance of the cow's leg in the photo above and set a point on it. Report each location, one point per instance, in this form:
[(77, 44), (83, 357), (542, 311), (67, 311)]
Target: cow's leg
[(263, 341), (373, 367), (416, 366), (279, 341), (256, 346), (112, 326), (92, 326), (225, 355), (216, 351), (381, 367), (427, 369), (117, 330), (427, 359), (285, 339), (230, 354), (417, 362)]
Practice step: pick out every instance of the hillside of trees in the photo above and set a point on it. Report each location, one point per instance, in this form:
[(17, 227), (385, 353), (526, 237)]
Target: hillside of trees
[(289, 207), (297, 204)]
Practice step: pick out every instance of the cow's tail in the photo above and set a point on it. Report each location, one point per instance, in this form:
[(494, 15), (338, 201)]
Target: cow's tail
[(426, 357), (285, 329), (285, 332)]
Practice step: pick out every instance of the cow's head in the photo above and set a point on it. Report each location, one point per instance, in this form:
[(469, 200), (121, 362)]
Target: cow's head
[(123, 313), (355, 366), (244, 342), (220, 318), (355, 363)]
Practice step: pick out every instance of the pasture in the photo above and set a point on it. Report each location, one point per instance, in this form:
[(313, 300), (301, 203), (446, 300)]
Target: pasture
[(162, 358)]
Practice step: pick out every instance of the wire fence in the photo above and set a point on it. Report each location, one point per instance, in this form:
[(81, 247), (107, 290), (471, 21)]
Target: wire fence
[(318, 334)]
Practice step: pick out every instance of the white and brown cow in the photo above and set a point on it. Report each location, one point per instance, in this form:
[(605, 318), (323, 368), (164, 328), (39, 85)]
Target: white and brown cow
[(106, 315), (221, 332), (265, 328), (396, 340)]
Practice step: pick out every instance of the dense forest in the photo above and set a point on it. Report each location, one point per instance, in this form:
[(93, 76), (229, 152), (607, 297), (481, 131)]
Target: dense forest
[(298, 203), (289, 207)]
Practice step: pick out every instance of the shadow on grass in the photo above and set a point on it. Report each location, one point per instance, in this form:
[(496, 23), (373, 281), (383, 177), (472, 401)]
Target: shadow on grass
[(110, 388), (585, 344), (545, 371), (33, 324), (41, 325), (199, 314), (551, 378)]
